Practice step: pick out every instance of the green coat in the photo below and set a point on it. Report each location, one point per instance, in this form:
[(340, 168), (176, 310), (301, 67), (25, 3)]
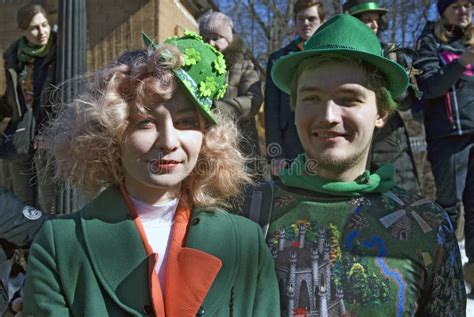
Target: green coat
[(94, 263)]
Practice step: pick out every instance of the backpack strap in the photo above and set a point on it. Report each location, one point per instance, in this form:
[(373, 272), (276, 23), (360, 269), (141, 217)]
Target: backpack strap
[(258, 204)]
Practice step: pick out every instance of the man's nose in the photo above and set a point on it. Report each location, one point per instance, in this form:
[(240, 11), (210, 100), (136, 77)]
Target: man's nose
[(329, 112)]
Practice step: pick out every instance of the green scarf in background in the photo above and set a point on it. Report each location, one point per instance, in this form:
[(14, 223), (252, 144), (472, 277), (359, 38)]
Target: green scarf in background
[(27, 52), (298, 176)]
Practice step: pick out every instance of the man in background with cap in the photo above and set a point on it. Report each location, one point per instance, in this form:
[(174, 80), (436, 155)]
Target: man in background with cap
[(281, 137), (243, 97), (391, 143), (346, 241)]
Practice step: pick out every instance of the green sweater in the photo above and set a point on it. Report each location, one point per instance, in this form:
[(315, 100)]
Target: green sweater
[(360, 252)]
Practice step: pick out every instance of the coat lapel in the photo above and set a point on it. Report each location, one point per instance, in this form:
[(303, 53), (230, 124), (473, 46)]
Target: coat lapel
[(190, 272), (213, 233), (116, 251)]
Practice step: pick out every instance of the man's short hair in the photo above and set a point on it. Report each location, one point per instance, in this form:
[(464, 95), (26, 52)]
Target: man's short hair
[(386, 105), (304, 4)]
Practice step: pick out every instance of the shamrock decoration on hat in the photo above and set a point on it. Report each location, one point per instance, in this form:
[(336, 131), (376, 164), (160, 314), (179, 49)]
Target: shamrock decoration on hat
[(203, 73)]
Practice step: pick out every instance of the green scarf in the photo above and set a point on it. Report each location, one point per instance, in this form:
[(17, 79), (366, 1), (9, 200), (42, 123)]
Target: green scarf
[(298, 176), (27, 53)]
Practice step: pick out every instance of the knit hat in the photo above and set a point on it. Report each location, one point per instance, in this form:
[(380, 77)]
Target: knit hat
[(349, 37), (203, 73), (354, 7), (443, 5), (216, 23)]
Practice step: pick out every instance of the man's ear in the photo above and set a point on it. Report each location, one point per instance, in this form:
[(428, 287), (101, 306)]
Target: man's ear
[(382, 118)]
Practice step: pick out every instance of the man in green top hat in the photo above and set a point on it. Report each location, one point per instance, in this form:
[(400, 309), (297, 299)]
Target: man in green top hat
[(347, 242)]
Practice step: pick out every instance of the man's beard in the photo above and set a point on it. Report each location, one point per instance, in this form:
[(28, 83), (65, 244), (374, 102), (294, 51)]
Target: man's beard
[(337, 165)]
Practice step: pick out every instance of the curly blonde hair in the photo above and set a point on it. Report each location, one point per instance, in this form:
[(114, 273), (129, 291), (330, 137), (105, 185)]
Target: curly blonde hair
[(85, 135)]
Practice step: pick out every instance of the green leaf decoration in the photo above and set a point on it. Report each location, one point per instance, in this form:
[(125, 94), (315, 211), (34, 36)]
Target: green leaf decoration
[(219, 65), (207, 87), (191, 56), (214, 49), (221, 91), (148, 41), (192, 35)]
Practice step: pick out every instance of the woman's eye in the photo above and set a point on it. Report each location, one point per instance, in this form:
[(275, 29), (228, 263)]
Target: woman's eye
[(187, 123), (145, 123)]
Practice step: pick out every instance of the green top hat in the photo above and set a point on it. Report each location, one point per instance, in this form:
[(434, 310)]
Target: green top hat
[(349, 37), (354, 7), (203, 73)]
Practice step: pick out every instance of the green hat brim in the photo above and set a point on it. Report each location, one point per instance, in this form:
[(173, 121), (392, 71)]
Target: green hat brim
[(381, 11), (285, 68), (206, 113), (366, 7)]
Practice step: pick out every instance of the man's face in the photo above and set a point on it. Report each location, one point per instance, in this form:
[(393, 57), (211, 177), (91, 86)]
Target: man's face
[(335, 117), (307, 22), (371, 19), (459, 13), (38, 31)]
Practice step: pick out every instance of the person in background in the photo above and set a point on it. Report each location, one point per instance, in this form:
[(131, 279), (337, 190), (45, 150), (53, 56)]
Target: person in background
[(30, 66), (243, 97), (347, 241), (391, 143), (446, 58), (281, 137), (19, 225), (156, 240)]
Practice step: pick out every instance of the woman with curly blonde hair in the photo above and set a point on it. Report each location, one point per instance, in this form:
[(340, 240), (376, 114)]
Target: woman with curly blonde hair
[(154, 241)]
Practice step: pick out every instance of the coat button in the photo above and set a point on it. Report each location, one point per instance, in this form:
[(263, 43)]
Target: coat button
[(147, 309), (194, 222), (201, 310)]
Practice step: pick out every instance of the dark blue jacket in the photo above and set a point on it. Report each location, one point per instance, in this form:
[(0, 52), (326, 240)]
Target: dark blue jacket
[(280, 126)]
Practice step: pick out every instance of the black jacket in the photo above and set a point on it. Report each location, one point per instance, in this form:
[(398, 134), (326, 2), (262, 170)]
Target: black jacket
[(279, 117), (391, 143), (448, 87), (14, 99)]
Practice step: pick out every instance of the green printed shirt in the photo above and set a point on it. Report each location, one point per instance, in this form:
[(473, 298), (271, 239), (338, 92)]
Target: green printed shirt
[(390, 254)]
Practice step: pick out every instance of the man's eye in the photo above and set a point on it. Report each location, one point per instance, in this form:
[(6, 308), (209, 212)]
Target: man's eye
[(313, 19), (312, 98), (349, 101)]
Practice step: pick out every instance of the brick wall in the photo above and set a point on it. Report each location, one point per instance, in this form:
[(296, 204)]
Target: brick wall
[(113, 25)]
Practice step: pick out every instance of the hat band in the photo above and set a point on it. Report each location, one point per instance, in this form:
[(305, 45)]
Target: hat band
[(339, 46), (192, 86), (364, 7)]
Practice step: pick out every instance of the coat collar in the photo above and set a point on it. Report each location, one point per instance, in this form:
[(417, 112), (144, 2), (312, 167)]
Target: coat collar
[(119, 257)]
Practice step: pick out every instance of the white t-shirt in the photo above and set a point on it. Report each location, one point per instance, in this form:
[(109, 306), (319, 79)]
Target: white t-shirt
[(157, 221)]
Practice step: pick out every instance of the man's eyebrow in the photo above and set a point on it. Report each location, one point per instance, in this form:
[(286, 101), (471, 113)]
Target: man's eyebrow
[(308, 89), (352, 89)]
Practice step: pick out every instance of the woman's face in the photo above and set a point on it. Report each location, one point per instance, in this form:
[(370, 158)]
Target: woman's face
[(459, 13), (162, 148), (38, 30)]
